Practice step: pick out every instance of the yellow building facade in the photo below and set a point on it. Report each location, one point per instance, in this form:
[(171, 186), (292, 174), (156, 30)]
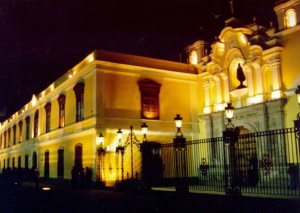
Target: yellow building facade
[(58, 129)]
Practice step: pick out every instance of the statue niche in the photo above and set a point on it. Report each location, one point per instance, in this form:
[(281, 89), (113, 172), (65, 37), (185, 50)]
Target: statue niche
[(241, 90)]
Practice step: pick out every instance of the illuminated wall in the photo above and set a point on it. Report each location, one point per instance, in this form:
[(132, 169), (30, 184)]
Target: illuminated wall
[(111, 100)]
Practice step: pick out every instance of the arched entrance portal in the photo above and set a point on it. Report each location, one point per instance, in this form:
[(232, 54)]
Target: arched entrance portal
[(246, 155)]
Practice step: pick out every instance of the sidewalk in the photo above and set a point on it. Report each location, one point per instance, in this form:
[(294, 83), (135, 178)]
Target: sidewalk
[(64, 199)]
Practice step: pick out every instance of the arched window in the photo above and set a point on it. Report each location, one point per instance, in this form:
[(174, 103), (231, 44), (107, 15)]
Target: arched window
[(79, 93), (60, 163), (46, 164), (290, 18), (36, 123), (78, 156), (19, 161), (13, 162), (26, 161), (34, 160)]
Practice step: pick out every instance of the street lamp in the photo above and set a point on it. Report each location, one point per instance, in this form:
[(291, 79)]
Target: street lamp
[(99, 144), (179, 144), (230, 137), (120, 150), (297, 121), (144, 127), (229, 110), (297, 91), (100, 152), (119, 135), (179, 140)]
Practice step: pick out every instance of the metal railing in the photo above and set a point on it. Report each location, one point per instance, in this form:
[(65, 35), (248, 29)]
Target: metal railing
[(267, 163)]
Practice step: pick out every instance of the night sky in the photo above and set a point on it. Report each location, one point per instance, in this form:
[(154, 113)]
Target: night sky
[(41, 39)]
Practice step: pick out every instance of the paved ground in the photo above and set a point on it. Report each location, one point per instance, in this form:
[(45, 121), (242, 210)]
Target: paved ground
[(28, 199)]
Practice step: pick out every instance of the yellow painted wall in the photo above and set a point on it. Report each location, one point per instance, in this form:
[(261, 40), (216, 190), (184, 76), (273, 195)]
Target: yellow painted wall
[(69, 155), (291, 74), (88, 96), (290, 59), (175, 99), (122, 97)]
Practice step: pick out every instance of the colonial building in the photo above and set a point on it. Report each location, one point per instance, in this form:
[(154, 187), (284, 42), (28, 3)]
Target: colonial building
[(58, 129)]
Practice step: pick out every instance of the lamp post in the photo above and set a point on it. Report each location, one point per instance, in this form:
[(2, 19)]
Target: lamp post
[(230, 137), (131, 140), (179, 144), (100, 153), (120, 150), (297, 121)]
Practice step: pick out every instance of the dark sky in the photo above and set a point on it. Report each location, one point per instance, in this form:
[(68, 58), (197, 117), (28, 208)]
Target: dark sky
[(41, 39)]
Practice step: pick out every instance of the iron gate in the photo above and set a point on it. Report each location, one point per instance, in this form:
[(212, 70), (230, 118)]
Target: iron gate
[(266, 163)]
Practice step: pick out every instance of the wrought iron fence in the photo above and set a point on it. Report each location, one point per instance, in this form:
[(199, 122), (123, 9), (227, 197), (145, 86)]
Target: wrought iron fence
[(266, 163)]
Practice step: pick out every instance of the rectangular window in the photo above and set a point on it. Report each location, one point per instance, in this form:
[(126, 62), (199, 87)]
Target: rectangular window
[(14, 134), (79, 91), (8, 137), (150, 108), (149, 98), (61, 101), (48, 116), (36, 124), (20, 131)]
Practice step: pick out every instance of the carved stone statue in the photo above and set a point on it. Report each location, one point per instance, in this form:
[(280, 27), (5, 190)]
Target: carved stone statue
[(240, 76)]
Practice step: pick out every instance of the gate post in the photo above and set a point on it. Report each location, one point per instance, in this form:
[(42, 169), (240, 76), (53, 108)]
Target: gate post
[(179, 144)]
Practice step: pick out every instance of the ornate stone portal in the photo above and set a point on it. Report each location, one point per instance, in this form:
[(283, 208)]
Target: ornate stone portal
[(248, 75)]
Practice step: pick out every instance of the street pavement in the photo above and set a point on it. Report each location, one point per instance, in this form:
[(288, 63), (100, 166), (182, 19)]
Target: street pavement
[(28, 198)]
